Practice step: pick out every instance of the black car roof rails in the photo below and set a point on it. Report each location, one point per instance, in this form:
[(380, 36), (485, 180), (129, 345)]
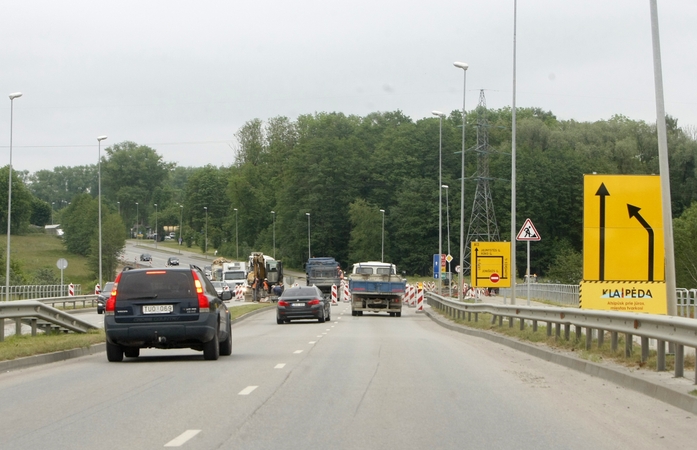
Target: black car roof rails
[(194, 266)]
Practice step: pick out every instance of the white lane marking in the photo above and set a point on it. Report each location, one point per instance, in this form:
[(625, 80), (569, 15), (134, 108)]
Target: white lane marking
[(248, 390), (279, 366), (312, 342), (324, 333), (328, 329), (182, 438), (297, 351), (319, 335)]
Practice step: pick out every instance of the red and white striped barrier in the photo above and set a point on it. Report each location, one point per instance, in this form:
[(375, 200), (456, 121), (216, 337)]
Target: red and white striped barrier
[(71, 290), (239, 292), (334, 302), (97, 289), (346, 297), (420, 301)]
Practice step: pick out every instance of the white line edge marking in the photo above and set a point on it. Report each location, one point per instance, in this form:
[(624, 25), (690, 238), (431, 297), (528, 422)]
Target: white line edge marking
[(182, 438), (280, 366), (312, 342), (298, 351), (248, 390)]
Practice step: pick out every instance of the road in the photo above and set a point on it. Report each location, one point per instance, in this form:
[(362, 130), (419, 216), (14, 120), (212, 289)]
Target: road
[(369, 382)]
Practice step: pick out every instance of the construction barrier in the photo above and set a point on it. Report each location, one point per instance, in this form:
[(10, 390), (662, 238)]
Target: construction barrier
[(239, 292), (346, 297), (420, 301), (97, 289), (71, 290), (334, 302)]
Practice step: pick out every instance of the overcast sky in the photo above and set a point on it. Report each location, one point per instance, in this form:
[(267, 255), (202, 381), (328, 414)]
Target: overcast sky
[(184, 76)]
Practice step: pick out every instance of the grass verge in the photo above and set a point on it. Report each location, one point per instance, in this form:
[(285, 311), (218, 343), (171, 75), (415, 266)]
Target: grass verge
[(14, 347), (573, 345), (239, 311)]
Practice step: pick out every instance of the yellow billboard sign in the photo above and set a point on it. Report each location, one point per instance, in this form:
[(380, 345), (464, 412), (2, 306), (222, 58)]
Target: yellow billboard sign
[(624, 296), (491, 264), (622, 228)]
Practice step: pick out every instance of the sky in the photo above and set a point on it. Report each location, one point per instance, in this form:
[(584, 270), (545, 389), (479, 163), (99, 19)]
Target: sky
[(183, 76)]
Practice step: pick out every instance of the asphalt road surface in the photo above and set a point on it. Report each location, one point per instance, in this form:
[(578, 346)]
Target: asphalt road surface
[(369, 382)]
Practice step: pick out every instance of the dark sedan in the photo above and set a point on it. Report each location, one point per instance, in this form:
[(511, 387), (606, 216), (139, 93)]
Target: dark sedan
[(302, 302)]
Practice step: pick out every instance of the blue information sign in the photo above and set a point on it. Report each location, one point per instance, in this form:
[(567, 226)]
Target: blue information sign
[(436, 266)]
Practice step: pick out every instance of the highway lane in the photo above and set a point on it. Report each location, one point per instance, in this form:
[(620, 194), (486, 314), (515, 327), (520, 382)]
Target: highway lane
[(354, 383)]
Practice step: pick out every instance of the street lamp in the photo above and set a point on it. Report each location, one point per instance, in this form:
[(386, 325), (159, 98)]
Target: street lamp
[(156, 231), (237, 241), (99, 194), (440, 194), (137, 220), (382, 253), (274, 234), (181, 215), (118, 205), (205, 243), (464, 68), (309, 253), (13, 96), (447, 222), (52, 203)]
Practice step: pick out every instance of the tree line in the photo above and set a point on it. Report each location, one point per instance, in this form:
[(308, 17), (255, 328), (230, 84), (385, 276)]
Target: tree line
[(343, 169)]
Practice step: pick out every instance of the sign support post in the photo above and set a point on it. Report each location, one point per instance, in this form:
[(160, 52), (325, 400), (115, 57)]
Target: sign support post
[(528, 233)]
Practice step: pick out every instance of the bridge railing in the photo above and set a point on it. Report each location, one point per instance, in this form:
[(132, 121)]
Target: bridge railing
[(30, 292), (679, 331)]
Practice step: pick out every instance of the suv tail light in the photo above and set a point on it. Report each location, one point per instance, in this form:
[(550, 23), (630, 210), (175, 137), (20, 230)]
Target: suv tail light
[(203, 305), (313, 302), (110, 306), (282, 303)]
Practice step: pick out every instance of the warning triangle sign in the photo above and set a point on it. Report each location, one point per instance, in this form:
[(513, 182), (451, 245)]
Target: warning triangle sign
[(528, 232)]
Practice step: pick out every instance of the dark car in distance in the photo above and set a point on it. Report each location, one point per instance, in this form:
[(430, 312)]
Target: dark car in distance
[(172, 307), (302, 302), (145, 257), (172, 261), (104, 296)]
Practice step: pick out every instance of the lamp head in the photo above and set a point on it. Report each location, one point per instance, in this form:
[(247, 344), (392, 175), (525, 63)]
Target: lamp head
[(461, 65), (15, 95), (438, 113), (382, 211), (445, 186), (101, 138)]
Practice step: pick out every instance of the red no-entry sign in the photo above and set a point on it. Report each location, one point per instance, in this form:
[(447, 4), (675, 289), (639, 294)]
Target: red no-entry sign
[(494, 277)]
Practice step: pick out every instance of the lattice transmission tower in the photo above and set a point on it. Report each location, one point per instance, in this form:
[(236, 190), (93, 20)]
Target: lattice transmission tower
[(482, 227)]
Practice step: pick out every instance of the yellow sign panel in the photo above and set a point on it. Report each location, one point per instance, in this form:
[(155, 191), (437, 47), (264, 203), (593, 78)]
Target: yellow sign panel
[(622, 228), (491, 264), (624, 296)]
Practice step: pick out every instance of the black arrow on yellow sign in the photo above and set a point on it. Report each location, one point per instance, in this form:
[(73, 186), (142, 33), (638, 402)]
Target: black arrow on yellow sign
[(634, 212), (602, 193)]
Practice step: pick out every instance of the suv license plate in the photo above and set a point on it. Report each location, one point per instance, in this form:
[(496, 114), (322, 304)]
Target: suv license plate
[(298, 304), (157, 309)]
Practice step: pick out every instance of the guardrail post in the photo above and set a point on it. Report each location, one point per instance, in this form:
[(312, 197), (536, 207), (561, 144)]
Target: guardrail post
[(628, 340), (567, 331), (476, 317), (493, 320), (511, 321), (469, 316), (2, 330), (500, 321), (613, 341), (557, 330), (601, 337), (679, 360), (644, 349), (589, 338), (33, 327), (18, 327), (579, 332), (534, 326), (522, 324), (661, 355)]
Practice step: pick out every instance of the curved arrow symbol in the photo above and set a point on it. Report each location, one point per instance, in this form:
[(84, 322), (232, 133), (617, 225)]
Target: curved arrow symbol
[(634, 212)]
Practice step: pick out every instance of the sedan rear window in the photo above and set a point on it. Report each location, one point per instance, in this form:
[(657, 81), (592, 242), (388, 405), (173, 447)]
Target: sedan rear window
[(156, 284), (300, 292)]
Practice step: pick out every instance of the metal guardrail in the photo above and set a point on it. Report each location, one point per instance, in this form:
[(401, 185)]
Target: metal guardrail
[(680, 331), (562, 294), (30, 292), (74, 301), (39, 316)]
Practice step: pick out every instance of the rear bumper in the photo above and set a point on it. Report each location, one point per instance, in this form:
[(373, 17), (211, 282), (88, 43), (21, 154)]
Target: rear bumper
[(376, 304), (314, 312), (161, 335)]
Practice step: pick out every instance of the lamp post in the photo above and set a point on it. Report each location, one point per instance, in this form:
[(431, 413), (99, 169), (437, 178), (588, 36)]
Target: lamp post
[(309, 252), (13, 96), (464, 68), (118, 205), (181, 215), (382, 252), (137, 220), (99, 194), (205, 243), (274, 234), (156, 231), (52, 203), (440, 194), (237, 241), (447, 224)]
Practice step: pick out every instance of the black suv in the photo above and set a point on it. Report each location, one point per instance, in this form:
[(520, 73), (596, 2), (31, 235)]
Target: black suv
[(173, 307)]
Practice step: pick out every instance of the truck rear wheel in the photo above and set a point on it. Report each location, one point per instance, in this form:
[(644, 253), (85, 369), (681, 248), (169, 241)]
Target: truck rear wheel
[(399, 314)]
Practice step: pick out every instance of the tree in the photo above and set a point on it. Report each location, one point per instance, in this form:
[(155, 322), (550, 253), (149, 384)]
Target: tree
[(21, 202), (113, 242), (40, 212), (80, 223), (366, 232), (685, 240)]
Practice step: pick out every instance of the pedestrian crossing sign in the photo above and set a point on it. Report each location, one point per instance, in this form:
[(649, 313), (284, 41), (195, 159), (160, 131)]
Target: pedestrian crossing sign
[(528, 232)]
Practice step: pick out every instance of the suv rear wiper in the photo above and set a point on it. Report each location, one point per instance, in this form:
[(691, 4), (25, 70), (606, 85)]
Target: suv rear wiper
[(145, 297)]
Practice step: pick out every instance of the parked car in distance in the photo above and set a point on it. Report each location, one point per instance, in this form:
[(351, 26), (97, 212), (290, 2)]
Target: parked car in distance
[(302, 302), (219, 286), (168, 237), (145, 257), (104, 296), (172, 261), (172, 307)]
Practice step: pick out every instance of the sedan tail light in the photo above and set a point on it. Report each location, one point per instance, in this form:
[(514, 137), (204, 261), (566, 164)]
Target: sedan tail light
[(203, 305), (110, 306), (314, 302), (282, 303)]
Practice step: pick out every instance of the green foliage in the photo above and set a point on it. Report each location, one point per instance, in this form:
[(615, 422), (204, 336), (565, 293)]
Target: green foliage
[(685, 239), (113, 242), (40, 212), (17, 275), (80, 223), (46, 276), (21, 202), (567, 266), (366, 232)]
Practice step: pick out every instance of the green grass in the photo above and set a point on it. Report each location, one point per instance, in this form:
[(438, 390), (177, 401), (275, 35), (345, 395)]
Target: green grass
[(26, 345), (595, 354), (37, 250), (239, 311)]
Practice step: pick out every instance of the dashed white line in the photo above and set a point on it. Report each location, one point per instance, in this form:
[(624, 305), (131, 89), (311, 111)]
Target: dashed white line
[(312, 342), (279, 366), (248, 390), (298, 351), (182, 438)]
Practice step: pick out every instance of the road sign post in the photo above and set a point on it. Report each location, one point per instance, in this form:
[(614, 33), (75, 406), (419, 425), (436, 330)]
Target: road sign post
[(62, 264), (528, 233)]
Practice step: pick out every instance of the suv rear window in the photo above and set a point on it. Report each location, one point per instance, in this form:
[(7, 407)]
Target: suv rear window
[(156, 284)]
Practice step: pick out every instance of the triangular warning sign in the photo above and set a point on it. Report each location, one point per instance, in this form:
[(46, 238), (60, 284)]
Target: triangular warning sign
[(528, 232)]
